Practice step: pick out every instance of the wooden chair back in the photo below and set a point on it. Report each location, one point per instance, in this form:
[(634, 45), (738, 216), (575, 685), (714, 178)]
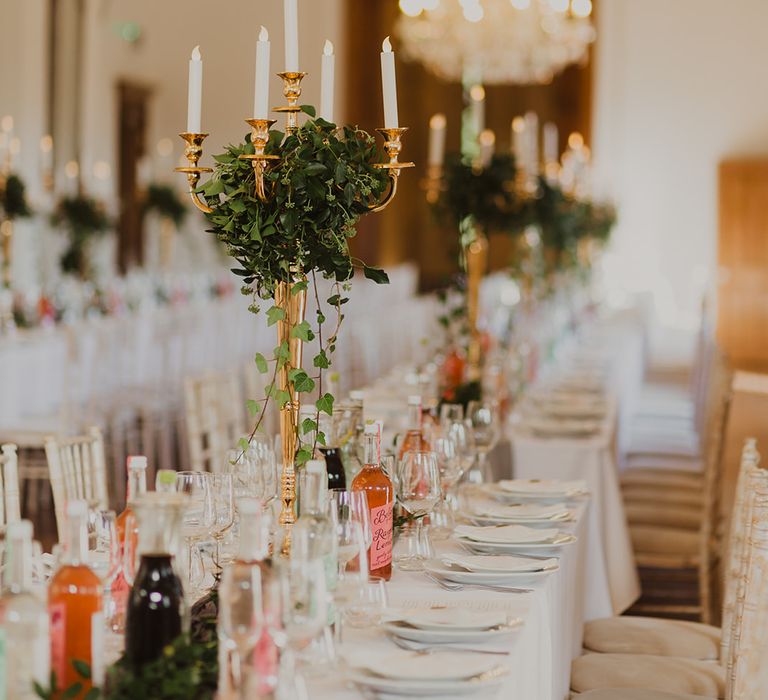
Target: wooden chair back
[(77, 469), (10, 506)]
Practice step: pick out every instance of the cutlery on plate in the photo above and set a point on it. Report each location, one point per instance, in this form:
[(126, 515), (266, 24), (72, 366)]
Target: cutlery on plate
[(453, 586), (430, 648)]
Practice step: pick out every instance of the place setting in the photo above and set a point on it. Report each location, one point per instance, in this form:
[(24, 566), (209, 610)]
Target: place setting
[(512, 539)]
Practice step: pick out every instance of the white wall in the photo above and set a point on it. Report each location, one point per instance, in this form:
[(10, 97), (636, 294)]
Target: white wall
[(680, 85)]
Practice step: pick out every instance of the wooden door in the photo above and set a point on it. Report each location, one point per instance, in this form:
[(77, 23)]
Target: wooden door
[(132, 114), (742, 299)]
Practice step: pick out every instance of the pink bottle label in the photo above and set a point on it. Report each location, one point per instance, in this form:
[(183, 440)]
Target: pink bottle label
[(58, 627), (381, 546)]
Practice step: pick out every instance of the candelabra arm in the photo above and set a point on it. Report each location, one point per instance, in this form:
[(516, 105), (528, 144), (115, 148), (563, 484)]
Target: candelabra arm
[(193, 152), (259, 159), (392, 147)]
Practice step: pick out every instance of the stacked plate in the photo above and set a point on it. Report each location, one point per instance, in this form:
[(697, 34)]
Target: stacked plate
[(486, 511), (546, 426), (512, 539), (491, 570), (445, 625), (412, 674), (537, 489)]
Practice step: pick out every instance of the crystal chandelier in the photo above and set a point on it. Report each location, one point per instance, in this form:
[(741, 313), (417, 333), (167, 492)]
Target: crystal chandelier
[(498, 41)]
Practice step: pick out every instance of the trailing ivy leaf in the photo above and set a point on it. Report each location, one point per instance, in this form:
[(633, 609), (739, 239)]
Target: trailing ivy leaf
[(82, 668), (261, 363), (274, 315), (282, 354), (282, 397), (321, 438), (376, 274), (303, 331), (302, 382), (300, 286), (253, 408), (73, 691), (303, 455), (325, 404), (307, 426), (243, 444), (310, 110), (321, 360)]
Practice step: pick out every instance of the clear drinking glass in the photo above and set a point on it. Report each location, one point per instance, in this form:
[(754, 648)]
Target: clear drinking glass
[(484, 419), (240, 622), (418, 491), (104, 546), (222, 493), (197, 522), (450, 467), (366, 609), (451, 413)]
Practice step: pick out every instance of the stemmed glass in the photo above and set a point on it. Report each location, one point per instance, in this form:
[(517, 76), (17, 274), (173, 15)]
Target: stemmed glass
[(105, 558), (460, 432), (241, 622), (451, 413), (351, 518), (450, 467), (483, 417), (418, 491), (198, 520), (222, 494)]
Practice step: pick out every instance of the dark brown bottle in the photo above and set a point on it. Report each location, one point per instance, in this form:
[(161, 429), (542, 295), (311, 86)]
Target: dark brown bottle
[(154, 612), (337, 478)]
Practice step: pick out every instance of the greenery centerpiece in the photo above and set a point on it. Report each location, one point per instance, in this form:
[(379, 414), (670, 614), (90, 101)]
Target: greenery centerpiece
[(322, 181), (83, 219)]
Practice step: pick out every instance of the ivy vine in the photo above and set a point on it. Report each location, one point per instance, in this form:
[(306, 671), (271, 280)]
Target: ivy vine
[(319, 188)]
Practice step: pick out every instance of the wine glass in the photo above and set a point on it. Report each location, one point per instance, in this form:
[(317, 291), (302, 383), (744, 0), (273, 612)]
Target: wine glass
[(345, 503), (451, 413), (104, 546), (198, 520), (351, 540), (460, 432), (450, 468), (367, 607), (483, 418), (240, 621), (222, 494), (418, 490)]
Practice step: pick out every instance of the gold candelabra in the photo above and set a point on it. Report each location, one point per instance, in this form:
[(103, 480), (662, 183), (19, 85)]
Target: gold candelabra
[(292, 302), (7, 323)]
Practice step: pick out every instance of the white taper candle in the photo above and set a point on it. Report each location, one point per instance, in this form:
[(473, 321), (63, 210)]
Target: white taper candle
[(437, 130), (550, 137), (327, 79), (195, 95), (261, 87), (389, 85), (291, 36)]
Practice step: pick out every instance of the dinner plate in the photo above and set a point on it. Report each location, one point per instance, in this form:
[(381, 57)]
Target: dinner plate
[(490, 512), (508, 534), (457, 574), (541, 488), (443, 617), (386, 688), (502, 548), (452, 635)]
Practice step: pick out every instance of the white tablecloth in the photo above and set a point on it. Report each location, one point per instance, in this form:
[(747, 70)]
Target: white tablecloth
[(540, 653)]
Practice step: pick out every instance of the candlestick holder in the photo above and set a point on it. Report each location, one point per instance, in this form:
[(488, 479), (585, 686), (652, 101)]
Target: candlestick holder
[(259, 159), (287, 296), (393, 144), (193, 152), (292, 91)]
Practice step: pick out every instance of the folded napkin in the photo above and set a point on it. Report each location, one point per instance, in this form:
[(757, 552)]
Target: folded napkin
[(452, 618), (411, 665), (508, 534), (519, 511), (499, 564), (543, 487)]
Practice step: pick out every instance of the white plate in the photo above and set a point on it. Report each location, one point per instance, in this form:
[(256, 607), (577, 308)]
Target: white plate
[(508, 534), (497, 548), (486, 578), (402, 665), (387, 688), (543, 488), (498, 564), (490, 511), (443, 617), (451, 636)]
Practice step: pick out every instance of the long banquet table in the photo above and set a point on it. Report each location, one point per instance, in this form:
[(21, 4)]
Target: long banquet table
[(540, 652)]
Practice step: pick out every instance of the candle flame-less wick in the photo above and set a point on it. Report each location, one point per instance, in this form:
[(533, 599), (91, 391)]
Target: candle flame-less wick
[(438, 121), (328, 48), (196, 54), (263, 34), (386, 46)]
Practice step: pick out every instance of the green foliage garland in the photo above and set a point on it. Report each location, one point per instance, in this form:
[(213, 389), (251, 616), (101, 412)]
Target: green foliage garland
[(14, 200), (82, 218), (165, 201), (319, 188)]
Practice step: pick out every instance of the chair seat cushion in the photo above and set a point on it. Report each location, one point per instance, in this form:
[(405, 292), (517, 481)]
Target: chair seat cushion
[(649, 635), (634, 694), (665, 462), (673, 675), (664, 515), (662, 494), (664, 540), (662, 477)]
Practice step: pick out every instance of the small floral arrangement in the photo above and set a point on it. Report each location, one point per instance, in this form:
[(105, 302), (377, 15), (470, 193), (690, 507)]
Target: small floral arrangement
[(82, 218)]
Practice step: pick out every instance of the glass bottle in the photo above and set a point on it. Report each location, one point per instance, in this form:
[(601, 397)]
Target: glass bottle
[(155, 613), (252, 562), (136, 466), (313, 530), (414, 440), (378, 488), (75, 608), (331, 451), (350, 434), (24, 641)]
